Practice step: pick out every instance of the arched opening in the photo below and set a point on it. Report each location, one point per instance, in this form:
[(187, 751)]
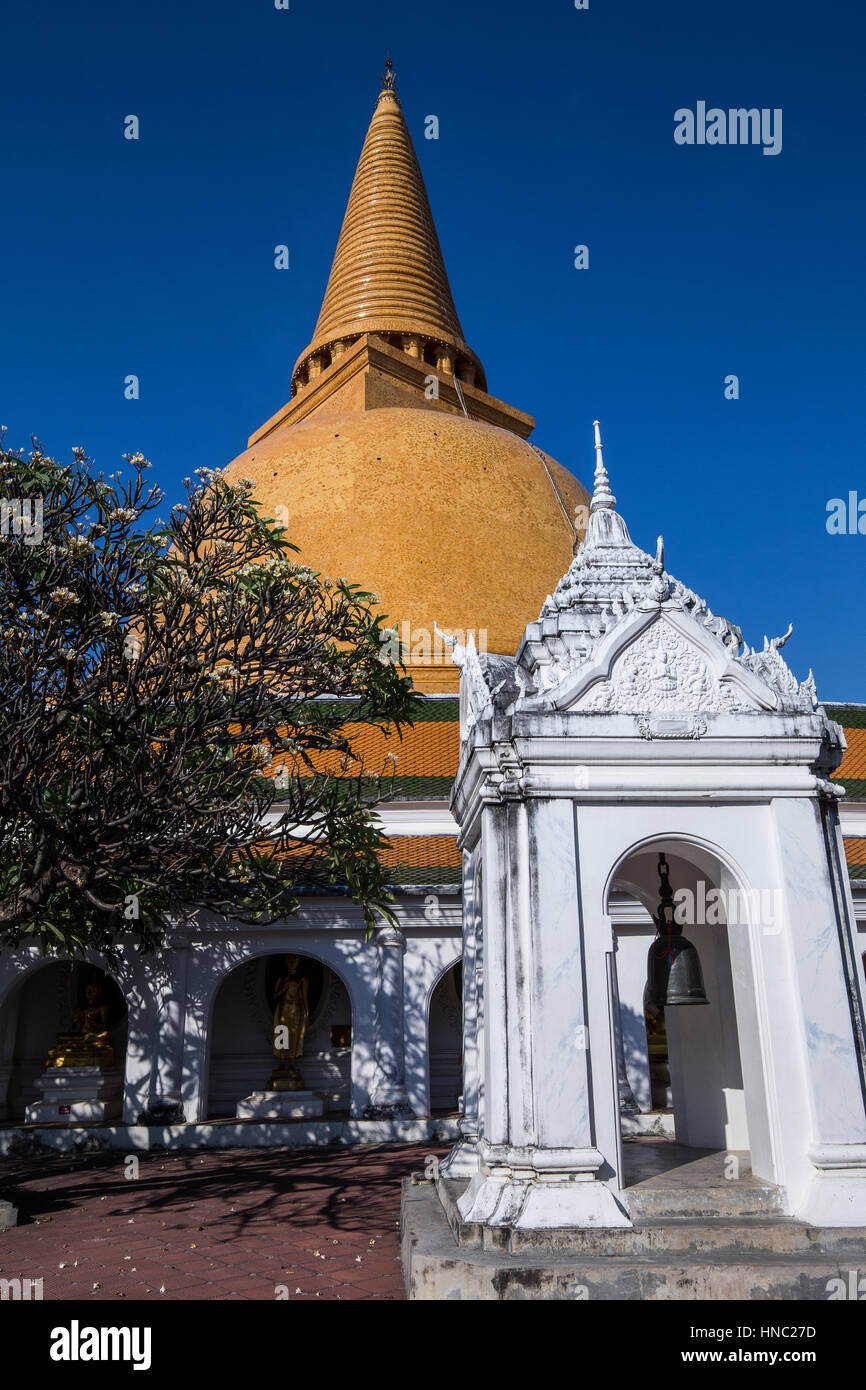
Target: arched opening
[(242, 1035), (700, 1063), (445, 1041), (77, 1012), (430, 354)]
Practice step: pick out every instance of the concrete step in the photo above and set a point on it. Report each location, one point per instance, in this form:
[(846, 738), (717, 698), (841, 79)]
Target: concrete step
[(681, 1259), (690, 1234), (698, 1239), (727, 1200)]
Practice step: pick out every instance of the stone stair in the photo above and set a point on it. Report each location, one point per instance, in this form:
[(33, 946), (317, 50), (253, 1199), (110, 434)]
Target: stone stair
[(709, 1242)]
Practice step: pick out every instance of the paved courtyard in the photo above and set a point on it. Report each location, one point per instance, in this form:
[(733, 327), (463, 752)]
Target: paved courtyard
[(233, 1224)]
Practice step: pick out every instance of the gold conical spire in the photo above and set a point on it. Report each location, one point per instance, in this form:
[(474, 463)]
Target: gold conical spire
[(388, 276)]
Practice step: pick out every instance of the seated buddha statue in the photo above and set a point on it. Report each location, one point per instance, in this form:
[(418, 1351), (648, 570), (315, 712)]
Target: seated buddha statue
[(87, 1045)]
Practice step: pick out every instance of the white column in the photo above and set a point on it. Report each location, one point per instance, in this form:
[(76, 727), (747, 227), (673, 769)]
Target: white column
[(165, 1101), (462, 1161), (389, 1099), (551, 1117), (837, 1194)]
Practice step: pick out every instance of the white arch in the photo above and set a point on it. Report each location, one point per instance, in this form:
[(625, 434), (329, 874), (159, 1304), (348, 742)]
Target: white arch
[(257, 951), (670, 838), (19, 971), (428, 1003)]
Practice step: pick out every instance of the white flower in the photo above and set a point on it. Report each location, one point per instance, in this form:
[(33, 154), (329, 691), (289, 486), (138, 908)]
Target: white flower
[(62, 597)]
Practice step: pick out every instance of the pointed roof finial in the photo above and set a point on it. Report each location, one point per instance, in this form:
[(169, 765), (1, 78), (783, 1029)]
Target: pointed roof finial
[(602, 497), (605, 527), (389, 79), (388, 276)]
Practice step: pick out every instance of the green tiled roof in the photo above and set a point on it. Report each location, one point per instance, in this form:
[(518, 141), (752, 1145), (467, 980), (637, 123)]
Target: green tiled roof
[(422, 874), (426, 710), (849, 716)]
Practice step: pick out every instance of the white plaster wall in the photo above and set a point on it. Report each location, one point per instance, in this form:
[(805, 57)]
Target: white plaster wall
[(171, 998)]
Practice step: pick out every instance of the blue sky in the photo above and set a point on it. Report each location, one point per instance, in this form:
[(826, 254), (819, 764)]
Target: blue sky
[(155, 257)]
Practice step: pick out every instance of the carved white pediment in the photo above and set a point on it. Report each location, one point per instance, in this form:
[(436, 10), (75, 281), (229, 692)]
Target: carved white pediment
[(663, 661)]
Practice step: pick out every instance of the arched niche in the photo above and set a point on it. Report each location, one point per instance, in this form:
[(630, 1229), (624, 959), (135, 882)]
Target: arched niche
[(714, 1054), (41, 1005), (241, 1035), (445, 1040)]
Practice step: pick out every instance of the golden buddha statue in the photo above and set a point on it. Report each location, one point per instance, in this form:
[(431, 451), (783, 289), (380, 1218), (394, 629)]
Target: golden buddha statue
[(87, 1045), (291, 1015)]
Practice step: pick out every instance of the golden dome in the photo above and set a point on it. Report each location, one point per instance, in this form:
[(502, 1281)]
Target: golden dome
[(391, 465), (445, 519)]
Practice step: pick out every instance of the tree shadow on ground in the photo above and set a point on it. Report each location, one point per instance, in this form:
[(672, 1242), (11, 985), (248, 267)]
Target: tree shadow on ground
[(344, 1187)]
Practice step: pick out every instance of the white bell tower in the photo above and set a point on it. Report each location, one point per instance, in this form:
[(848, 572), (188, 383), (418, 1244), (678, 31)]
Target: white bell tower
[(631, 721)]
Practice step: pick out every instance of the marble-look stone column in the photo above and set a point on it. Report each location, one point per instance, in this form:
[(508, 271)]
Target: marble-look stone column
[(462, 1162), (165, 1102), (837, 1195), (389, 1099), (548, 1106)]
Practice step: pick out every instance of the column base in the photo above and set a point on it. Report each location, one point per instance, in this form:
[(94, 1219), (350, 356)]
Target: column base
[(540, 1189), (462, 1162), (836, 1195), (395, 1110), (162, 1112)]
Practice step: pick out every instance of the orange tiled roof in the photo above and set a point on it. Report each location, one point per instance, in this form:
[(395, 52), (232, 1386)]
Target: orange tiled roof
[(855, 850), (419, 850), (425, 750), (853, 764)]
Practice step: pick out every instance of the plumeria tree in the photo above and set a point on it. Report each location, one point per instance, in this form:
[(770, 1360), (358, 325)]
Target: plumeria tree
[(173, 721)]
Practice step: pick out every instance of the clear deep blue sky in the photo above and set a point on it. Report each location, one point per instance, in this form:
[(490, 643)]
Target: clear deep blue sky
[(556, 128)]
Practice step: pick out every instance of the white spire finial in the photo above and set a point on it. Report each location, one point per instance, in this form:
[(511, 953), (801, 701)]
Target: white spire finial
[(602, 497)]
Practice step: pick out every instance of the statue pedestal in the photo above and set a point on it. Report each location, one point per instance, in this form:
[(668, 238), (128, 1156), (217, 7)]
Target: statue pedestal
[(74, 1094), (281, 1105)]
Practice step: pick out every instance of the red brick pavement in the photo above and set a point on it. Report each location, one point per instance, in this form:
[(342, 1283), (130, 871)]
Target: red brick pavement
[(201, 1224)]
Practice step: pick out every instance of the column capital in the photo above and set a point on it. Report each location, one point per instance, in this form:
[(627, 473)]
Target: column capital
[(390, 936)]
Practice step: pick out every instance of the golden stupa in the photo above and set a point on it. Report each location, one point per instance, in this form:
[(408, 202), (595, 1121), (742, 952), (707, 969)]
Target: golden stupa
[(391, 465)]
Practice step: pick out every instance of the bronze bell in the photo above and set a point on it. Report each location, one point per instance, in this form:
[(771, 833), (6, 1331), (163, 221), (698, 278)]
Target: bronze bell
[(673, 964)]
